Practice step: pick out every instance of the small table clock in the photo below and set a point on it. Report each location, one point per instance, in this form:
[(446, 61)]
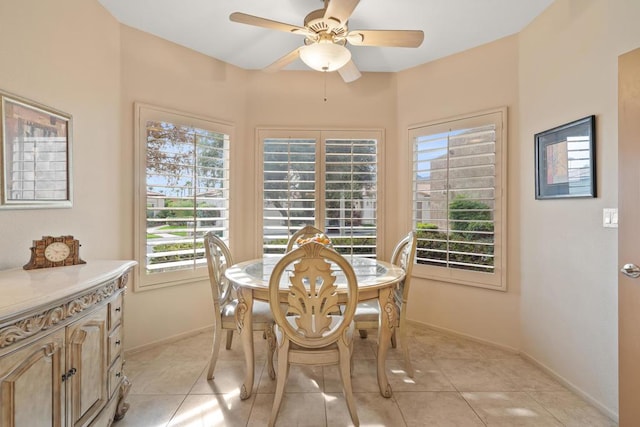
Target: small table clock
[(54, 252)]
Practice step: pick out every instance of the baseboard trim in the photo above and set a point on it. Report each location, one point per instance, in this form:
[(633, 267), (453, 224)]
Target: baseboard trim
[(168, 340), (568, 384), (466, 336)]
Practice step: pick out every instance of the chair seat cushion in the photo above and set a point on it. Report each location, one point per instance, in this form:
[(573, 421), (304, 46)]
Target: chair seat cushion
[(367, 311), (261, 311)]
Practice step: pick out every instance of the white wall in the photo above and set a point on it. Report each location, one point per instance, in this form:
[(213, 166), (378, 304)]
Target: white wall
[(67, 55), (568, 70), (476, 80)]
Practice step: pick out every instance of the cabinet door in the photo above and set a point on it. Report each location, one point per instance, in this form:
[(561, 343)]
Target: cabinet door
[(31, 388), (87, 363)]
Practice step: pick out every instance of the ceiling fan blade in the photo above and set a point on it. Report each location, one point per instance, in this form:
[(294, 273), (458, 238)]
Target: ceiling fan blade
[(243, 18), (392, 38), (284, 61), (349, 72), (340, 10)]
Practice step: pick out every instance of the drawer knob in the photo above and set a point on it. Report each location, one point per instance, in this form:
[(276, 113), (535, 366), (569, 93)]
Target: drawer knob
[(117, 342), (118, 309)]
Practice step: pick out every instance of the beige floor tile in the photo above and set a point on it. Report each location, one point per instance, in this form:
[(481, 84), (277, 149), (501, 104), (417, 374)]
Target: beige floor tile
[(228, 376), (363, 378), (510, 409), (297, 409), (452, 347), (475, 375), (150, 410), (363, 348), (218, 410), (260, 347), (436, 409), (427, 376), (491, 352), (571, 410), (161, 377), (301, 379), (526, 376), (169, 385), (372, 342), (372, 409)]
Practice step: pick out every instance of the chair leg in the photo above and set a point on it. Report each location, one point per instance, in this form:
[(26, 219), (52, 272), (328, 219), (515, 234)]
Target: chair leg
[(271, 343), (394, 342), (363, 333), (345, 374), (229, 339), (217, 332), (405, 350), (351, 358), (283, 373)]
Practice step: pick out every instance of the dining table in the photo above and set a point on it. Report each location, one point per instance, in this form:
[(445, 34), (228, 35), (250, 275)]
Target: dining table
[(376, 281)]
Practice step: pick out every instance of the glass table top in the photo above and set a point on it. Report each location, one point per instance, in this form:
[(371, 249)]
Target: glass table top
[(368, 272)]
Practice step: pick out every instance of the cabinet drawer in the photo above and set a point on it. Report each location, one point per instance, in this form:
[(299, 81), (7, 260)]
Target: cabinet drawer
[(115, 376), (115, 311), (115, 343)]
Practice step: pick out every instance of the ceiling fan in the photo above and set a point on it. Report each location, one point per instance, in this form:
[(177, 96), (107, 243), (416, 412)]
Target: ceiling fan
[(326, 35)]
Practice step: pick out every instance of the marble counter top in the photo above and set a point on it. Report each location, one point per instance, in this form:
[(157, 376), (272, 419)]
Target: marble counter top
[(21, 289)]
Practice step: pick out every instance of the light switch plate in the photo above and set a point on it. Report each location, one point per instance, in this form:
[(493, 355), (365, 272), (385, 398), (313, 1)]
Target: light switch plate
[(610, 217)]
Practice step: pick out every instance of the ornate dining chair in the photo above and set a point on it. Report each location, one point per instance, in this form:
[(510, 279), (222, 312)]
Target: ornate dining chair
[(368, 312), (225, 303), (307, 333), (305, 232)]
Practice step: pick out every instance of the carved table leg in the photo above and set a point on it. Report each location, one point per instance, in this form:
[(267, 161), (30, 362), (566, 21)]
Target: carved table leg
[(386, 323), (123, 406), (271, 341), (244, 313)]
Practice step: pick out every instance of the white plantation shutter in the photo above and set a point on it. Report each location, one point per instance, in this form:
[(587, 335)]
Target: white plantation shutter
[(327, 179), (458, 204), (184, 189), (289, 189), (351, 194)]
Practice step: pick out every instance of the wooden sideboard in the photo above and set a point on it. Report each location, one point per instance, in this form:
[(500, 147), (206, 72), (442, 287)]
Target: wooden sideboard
[(61, 358)]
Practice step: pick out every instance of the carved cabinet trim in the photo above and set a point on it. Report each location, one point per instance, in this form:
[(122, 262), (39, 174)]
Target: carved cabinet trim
[(57, 347)]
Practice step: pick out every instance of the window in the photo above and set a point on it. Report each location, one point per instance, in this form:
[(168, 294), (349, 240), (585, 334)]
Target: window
[(183, 192), (325, 178), (459, 207)]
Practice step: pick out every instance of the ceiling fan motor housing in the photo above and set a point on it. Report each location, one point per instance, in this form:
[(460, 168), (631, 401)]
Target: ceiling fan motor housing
[(317, 22)]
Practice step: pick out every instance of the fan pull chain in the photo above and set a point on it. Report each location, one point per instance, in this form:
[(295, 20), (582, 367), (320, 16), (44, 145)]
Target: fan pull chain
[(325, 86)]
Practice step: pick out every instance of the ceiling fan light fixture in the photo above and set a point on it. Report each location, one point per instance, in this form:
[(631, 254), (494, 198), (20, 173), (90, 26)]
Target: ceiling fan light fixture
[(325, 56)]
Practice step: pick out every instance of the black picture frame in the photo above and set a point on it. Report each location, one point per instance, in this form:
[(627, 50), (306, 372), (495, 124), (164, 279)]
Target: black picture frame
[(565, 160)]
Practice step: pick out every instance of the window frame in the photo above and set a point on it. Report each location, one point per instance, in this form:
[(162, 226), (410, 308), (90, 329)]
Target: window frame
[(498, 279), (143, 113), (320, 135)]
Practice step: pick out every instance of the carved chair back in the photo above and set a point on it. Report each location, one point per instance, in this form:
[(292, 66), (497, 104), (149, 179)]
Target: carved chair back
[(403, 256), (218, 259), (305, 232), (307, 317)]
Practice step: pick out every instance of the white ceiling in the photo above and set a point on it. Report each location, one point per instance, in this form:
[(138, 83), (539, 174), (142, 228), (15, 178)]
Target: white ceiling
[(449, 26)]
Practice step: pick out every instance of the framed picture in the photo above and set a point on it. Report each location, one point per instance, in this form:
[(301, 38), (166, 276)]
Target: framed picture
[(565, 160), (35, 155)]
